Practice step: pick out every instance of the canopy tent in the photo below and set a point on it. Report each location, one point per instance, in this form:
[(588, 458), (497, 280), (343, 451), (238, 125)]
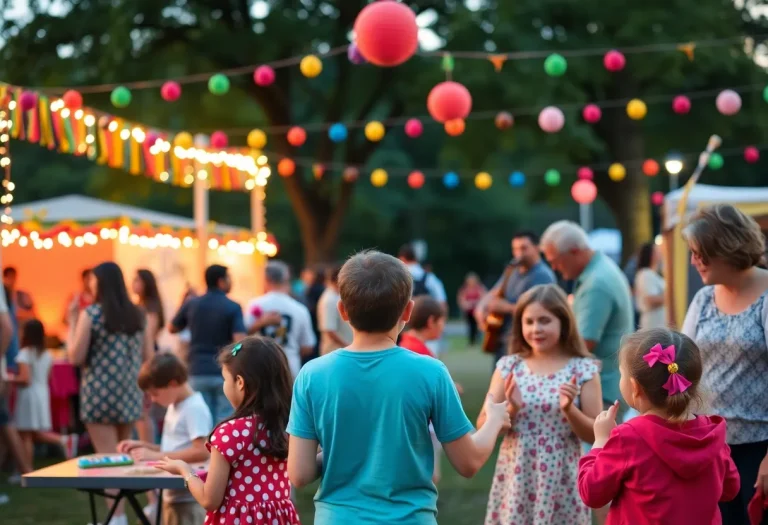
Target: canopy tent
[(682, 279)]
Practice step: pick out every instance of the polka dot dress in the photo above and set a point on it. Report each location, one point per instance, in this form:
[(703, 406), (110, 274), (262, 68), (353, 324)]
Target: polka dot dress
[(258, 491), (538, 465)]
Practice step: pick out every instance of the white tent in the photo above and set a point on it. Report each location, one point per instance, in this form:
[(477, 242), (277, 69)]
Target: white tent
[(705, 194)]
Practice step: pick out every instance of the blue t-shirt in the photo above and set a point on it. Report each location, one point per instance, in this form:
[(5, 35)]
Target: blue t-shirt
[(370, 413)]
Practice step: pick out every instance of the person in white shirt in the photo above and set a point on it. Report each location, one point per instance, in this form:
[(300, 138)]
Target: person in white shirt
[(424, 283), (649, 288), (335, 332), (278, 315)]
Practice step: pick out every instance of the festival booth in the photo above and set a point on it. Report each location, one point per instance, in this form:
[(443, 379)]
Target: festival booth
[(683, 280), (53, 240)]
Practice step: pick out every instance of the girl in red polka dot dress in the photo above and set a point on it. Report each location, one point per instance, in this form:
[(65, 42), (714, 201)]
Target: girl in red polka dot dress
[(247, 480)]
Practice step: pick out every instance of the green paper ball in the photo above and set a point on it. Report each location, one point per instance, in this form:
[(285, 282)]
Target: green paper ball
[(552, 177), (715, 161), (555, 65), (765, 94), (218, 84), (120, 97)]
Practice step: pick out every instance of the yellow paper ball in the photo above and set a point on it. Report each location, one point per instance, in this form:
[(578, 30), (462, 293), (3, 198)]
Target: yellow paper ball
[(374, 131), (636, 109), (183, 140), (379, 177), (483, 180), (257, 139), (617, 172), (311, 66)]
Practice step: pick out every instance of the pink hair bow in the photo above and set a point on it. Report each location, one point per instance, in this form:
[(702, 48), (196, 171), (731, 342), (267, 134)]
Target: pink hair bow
[(676, 384)]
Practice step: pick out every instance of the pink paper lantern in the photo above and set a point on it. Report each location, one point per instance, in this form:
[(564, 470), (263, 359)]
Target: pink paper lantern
[(449, 101), (171, 91), (592, 113), (27, 100), (414, 128), (585, 173), (728, 102), (681, 104), (72, 99), (387, 33), (264, 76), (657, 198), (751, 154), (219, 139), (152, 137), (614, 61), (584, 191), (551, 119)]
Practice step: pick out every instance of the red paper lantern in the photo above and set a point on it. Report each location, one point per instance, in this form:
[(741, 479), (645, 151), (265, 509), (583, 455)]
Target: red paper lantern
[(27, 100), (751, 154), (681, 104), (264, 76), (416, 180), (455, 127), (414, 128), (651, 168), (449, 101), (171, 91), (219, 139), (614, 61), (72, 99), (386, 33), (584, 191), (592, 113), (286, 167), (657, 198), (296, 136), (585, 173)]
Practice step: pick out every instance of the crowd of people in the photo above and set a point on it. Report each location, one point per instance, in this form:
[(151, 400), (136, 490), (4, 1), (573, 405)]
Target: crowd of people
[(599, 421)]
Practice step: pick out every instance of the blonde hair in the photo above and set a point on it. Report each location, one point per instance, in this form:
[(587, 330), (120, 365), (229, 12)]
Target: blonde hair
[(552, 299), (725, 232)]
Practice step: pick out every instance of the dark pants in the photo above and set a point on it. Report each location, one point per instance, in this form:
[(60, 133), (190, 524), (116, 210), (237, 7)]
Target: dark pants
[(747, 458), (472, 326)]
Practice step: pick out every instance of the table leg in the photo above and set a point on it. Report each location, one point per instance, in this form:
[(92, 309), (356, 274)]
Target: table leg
[(130, 497), (114, 506), (159, 510), (92, 501)]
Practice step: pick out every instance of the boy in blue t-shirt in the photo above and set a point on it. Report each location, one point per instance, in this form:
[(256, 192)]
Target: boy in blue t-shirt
[(369, 406)]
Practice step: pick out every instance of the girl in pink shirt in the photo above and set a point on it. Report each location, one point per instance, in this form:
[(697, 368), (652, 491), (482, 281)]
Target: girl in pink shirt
[(667, 466)]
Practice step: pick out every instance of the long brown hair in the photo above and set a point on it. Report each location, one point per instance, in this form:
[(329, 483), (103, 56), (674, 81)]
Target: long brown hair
[(552, 299), (268, 382), (150, 297)]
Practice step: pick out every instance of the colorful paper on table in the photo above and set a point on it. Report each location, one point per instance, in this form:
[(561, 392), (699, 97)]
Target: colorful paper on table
[(116, 460)]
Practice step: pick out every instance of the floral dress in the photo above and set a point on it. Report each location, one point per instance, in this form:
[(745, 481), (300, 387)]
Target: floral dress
[(258, 490), (537, 469)]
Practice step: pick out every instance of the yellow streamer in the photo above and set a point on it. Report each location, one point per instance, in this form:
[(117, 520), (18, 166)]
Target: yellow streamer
[(159, 164), (102, 134), (46, 133), (135, 166), (117, 147)]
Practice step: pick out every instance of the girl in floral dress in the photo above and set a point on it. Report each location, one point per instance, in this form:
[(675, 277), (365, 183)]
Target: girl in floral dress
[(247, 480), (553, 389)]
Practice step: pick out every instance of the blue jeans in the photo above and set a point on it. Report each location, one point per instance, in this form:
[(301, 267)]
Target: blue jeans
[(211, 389)]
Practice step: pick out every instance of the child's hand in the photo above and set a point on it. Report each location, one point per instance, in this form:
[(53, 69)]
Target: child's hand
[(568, 392), (497, 412), (125, 446), (512, 395), (605, 422), (173, 466), (145, 454)]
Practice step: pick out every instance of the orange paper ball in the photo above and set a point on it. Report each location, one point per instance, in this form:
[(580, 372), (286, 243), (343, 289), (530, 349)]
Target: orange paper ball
[(296, 136), (286, 167), (651, 168), (386, 33), (455, 127)]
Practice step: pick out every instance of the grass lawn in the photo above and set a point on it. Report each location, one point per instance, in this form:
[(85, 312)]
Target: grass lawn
[(461, 501)]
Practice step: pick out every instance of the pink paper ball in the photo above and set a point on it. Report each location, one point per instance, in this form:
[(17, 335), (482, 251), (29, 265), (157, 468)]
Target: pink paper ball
[(414, 128), (585, 173), (387, 33), (219, 139), (152, 137), (728, 102), (27, 100), (614, 61), (751, 154), (551, 119), (264, 76), (584, 191), (681, 104), (592, 113), (657, 198), (170, 91), (449, 101)]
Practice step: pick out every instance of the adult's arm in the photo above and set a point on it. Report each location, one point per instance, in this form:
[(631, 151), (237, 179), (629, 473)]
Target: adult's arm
[(79, 339), (181, 320), (238, 325), (593, 311), (436, 289), (694, 312), (6, 326)]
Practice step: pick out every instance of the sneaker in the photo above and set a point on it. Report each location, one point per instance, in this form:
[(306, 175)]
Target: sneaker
[(4, 499), (150, 511), (122, 519), (14, 479)]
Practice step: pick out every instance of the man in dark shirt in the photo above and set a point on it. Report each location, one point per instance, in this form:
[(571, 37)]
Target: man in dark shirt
[(214, 321)]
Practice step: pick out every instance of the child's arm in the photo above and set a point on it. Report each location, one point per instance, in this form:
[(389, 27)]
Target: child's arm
[(208, 494), (582, 420), (602, 470), (732, 480), (196, 453), (304, 462), (501, 389), (22, 377)]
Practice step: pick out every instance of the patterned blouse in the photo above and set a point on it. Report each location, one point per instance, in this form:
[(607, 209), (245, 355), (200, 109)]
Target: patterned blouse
[(735, 357)]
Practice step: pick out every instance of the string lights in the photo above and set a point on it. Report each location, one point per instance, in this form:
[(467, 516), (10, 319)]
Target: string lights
[(5, 166)]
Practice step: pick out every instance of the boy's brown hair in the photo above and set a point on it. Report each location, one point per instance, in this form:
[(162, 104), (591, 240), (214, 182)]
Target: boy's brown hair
[(375, 289), (424, 309), (161, 371)]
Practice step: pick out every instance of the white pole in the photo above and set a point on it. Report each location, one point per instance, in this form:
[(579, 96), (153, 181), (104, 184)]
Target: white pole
[(673, 181), (258, 227), (200, 189), (585, 216)]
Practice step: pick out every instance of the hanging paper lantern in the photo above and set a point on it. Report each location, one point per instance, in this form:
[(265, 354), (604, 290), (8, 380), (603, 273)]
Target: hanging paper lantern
[(504, 120), (517, 179), (636, 109), (413, 128), (584, 191), (455, 127), (483, 180), (379, 177), (728, 102), (219, 139), (317, 171), (765, 93), (354, 55), (651, 168), (72, 99), (286, 167), (264, 76), (552, 177), (337, 132), (681, 104), (311, 66), (715, 161), (450, 180), (617, 172), (614, 61), (448, 101), (555, 65), (350, 174), (657, 198), (170, 91), (296, 136), (551, 119), (27, 100), (183, 140), (120, 97), (751, 154), (387, 34), (218, 84), (592, 113), (585, 173), (374, 131), (415, 180), (257, 139)]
